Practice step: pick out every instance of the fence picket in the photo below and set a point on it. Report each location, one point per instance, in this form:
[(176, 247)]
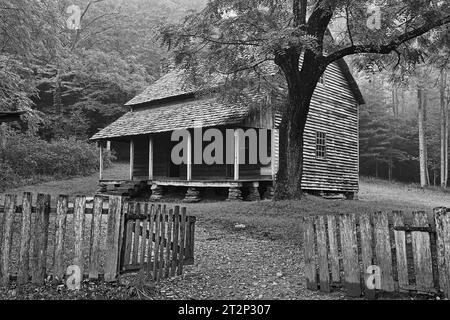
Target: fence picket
[(400, 248), (169, 242), (94, 250), (333, 252), (442, 220), (310, 253), (8, 220), (366, 235), (422, 253), (322, 250), (182, 240), (78, 223), (112, 238), (157, 243), (151, 219), (350, 255), (136, 235), (25, 240), (176, 225), (60, 235), (162, 243), (383, 253), (41, 222)]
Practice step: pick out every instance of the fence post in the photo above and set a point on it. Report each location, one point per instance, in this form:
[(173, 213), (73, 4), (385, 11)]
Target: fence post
[(60, 235), (442, 220), (115, 224), (95, 237), (10, 208), (24, 253), (78, 223), (40, 237)]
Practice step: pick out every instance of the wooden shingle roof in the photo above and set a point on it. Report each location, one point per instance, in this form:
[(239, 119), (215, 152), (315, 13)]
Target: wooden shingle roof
[(182, 115)]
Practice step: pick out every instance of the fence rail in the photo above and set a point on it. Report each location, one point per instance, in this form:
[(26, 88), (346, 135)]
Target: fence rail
[(412, 252), (38, 241)]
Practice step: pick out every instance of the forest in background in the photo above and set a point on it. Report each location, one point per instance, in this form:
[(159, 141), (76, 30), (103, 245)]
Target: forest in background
[(71, 83)]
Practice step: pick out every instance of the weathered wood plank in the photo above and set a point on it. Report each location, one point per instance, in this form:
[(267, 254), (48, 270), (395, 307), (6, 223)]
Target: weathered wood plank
[(6, 245), (25, 239), (163, 243), (129, 236), (176, 230), (333, 253), (122, 233), (366, 236), (309, 248), (144, 241), (400, 249), (383, 253), (422, 253), (349, 244), (39, 258), (112, 238), (136, 233), (442, 220), (182, 240), (60, 236), (324, 272), (151, 226), (157, 243), (169, 241), (78, 224), (94, 251)]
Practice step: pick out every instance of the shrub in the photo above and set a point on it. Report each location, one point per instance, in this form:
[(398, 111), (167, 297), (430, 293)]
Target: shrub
[(28, 157)]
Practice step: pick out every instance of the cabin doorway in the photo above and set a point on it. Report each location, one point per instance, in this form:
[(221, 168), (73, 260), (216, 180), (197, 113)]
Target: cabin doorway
[(174, 169)]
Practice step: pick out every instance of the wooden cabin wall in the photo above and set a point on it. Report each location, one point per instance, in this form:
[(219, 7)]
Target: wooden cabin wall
[(333, 111), (140, 156)]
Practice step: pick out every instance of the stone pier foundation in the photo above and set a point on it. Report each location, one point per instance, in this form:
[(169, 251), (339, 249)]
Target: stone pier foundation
[(157, 193), (192, 196), (234, 194)]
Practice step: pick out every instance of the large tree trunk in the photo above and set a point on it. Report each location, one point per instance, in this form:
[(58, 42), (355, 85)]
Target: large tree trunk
[(422, 141), (301, 87), (444, 131)]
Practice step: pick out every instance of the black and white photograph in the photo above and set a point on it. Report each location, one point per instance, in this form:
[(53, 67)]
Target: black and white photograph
[(242, 152)]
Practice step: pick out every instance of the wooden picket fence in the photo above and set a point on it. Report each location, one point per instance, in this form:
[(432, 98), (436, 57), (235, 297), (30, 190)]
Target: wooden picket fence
[(164, 235), (412, 252), (39, 242)]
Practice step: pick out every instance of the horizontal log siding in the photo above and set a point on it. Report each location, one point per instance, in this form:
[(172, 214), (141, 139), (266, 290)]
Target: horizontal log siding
[(333, 111)]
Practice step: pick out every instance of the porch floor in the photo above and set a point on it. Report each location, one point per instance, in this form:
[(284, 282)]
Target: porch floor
[(177, 182)]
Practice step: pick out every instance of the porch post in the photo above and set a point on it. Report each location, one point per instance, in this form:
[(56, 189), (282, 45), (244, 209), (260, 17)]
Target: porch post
[(236, 155), (101, 161), (189, 158), (150, 157), (131, 158)]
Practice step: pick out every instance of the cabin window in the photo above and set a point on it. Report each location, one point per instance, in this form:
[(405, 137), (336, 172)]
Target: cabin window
[(322, 79), (321, 144)]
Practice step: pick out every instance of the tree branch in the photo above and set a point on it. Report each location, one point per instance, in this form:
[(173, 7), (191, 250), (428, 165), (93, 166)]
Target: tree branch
[(389, 47)]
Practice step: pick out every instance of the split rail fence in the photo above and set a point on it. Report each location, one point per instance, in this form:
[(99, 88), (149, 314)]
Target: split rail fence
[(412, 252), (39, 242)]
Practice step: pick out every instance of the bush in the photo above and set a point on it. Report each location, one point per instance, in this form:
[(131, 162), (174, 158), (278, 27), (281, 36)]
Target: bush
[(26, 158)]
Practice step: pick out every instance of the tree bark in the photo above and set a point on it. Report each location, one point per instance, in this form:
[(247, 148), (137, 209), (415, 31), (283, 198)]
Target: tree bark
[(444, 131), (422, 140)]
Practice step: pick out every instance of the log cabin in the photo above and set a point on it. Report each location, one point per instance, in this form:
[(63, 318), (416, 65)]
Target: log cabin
[(331, 161)]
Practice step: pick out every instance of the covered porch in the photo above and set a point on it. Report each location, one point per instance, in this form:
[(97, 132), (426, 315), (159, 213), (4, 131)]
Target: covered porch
[(150, 165)]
